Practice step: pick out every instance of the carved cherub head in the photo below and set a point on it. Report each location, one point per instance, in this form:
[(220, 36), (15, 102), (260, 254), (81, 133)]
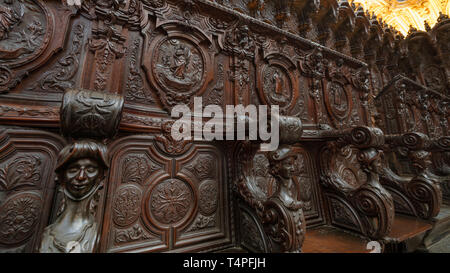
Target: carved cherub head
[(420, 160), (371, 160), (282, 162), (81, 167)]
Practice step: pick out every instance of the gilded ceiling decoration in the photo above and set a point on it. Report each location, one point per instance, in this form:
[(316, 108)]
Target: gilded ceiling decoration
[(401, 14)]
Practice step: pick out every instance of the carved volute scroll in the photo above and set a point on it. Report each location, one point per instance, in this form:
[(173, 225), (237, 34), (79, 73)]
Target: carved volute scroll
[(81, 169), (91, 114), (281, 214), (420, 195), (441, 163), (349, 175)]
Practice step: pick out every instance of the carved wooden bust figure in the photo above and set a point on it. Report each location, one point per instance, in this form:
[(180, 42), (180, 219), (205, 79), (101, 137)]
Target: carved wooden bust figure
[(282, 167), (80, 168)]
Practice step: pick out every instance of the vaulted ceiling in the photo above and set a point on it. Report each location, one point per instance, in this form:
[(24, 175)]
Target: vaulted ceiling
[(401, 14)]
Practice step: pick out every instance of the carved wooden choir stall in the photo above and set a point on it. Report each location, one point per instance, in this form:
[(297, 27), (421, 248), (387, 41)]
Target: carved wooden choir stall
[(88, 162)]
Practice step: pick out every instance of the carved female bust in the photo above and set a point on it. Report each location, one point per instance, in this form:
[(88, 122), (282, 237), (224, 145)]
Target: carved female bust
[(80, 169), (282, 167)]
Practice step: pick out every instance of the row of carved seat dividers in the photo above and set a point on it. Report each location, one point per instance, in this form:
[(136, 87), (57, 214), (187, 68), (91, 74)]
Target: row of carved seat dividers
[(368, 207), (371, 204), (419, 190), (419, 114), (351, 30)]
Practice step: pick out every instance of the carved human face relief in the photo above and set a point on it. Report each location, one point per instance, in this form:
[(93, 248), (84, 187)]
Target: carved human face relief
[(377, 164), (287, 167), (81, 177)]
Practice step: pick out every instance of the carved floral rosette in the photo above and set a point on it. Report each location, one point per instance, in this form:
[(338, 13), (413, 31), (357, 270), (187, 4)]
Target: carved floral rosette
[(91, 114), (178, 65)]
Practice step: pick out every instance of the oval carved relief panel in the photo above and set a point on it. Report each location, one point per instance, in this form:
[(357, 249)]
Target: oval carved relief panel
[(208, 197), (178, 65), (126, 207), (338, 101), (277, 87), (19, 217), (278, 84)]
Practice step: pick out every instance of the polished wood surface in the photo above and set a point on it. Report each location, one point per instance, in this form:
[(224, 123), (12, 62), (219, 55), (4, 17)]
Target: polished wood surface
[(333, 240), (405, 227), (364, 109)]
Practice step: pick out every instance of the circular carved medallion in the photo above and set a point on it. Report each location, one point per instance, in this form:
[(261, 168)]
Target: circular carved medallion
[(178, 66), (126, 207), (18, 218), (170, 201), (337, 100), (277, 87), (24, 30), (208, 195)]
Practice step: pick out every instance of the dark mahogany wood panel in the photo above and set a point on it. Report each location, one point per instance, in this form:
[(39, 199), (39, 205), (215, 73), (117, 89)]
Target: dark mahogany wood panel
[(158, 201), (27, 186)]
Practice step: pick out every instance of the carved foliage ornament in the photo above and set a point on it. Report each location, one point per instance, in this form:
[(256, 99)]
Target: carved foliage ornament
[(208, 196), (251, 235), (204, 166), (136, 169), (240, 41), (126, 208), (22, 170), (61, 76), (108, 46), (18, 217), (135, 88), (135, 233)]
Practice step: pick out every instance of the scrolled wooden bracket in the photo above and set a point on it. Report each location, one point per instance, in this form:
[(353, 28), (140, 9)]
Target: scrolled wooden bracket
[(420, 195), (281, 214), (349, 164), (441, 158)]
